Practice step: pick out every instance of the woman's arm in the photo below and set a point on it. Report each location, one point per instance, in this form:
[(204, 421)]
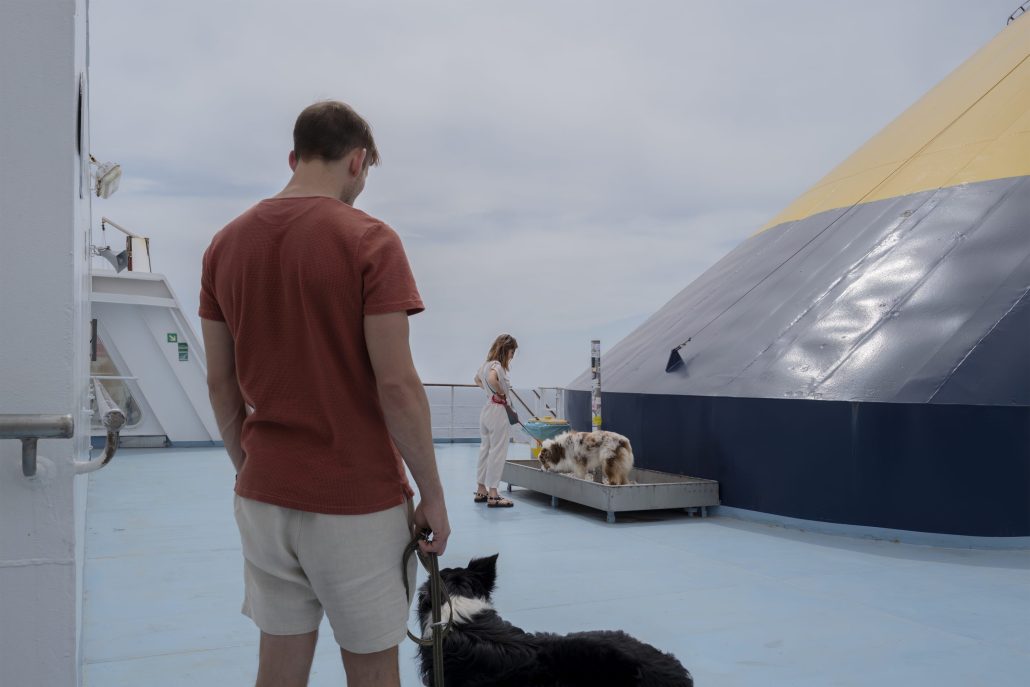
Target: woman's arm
[(495, 383)]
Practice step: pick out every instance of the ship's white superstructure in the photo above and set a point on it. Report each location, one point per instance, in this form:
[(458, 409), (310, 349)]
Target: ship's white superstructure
[(150, 360), (45, 188)]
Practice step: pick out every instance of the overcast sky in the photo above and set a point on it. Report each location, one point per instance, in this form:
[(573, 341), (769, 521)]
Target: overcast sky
[(557, 170)]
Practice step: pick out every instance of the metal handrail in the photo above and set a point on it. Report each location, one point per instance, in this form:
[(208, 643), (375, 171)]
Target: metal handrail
[(113, 418), (467, 431), (1020, 11), (445, 423), (30, 429)]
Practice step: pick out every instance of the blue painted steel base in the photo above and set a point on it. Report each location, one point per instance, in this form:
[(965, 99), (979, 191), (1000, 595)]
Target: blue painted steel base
[(950, 469)]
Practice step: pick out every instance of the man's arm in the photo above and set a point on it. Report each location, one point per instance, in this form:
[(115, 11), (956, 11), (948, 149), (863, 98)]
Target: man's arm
[(406, 409), (223, 388)]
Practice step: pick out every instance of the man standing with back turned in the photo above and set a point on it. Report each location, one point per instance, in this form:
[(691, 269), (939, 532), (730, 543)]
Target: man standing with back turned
[(304, 304)]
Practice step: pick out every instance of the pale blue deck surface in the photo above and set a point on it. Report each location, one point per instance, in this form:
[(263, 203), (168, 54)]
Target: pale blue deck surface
[(738, 603)]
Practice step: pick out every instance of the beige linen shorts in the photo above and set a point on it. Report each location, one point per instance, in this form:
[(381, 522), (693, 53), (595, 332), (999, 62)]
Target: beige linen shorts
[(299, 564)]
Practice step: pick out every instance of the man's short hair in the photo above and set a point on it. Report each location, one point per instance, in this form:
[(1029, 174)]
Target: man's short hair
[(329, 130)]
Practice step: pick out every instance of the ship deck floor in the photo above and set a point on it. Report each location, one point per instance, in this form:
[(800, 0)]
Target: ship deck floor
[(739, 603)]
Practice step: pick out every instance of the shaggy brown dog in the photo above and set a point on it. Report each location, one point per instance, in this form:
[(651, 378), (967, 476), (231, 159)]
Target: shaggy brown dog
[(583, 452)]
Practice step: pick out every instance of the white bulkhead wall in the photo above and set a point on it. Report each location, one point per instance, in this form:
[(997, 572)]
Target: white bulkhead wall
[(44, 224)]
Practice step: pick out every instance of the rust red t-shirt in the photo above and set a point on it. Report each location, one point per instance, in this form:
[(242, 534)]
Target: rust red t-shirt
[(293, 278)]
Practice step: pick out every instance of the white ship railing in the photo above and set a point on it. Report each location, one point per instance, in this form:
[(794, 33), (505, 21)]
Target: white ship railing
[(455, 408)]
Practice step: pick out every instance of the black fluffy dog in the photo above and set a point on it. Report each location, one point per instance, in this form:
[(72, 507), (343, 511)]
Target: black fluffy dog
[(483, 649)]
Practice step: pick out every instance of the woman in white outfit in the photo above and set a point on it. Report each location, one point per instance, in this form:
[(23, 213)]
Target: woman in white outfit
[(494, 428)]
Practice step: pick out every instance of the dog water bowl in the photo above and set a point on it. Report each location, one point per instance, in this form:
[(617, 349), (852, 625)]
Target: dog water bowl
[(650, 489), (544, 428)]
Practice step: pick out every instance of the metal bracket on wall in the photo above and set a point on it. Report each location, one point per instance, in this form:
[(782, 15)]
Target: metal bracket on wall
[(30, 429)]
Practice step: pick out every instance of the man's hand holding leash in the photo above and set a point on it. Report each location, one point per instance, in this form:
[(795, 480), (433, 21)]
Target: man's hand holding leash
[(431, 514)]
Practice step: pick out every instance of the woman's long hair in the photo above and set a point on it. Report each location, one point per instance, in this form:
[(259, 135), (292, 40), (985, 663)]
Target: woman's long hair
[(503, 349)]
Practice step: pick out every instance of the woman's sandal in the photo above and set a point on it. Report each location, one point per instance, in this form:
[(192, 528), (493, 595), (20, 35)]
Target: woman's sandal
[(479, 497), (498, 502)]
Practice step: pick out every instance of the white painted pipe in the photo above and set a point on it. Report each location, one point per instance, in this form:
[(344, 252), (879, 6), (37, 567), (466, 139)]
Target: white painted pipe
[(112, 418), (595, 387)]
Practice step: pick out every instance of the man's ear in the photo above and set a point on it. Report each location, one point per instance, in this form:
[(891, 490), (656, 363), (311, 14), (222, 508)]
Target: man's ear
[(485, 570), (357, 161), (293, 161)]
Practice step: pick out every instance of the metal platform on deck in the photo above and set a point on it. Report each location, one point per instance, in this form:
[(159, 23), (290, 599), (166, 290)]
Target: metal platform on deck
[(649, 489)]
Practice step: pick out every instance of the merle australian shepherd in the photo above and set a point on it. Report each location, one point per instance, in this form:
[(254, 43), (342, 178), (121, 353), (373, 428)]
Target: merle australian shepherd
[(484, 650), (583, 452)]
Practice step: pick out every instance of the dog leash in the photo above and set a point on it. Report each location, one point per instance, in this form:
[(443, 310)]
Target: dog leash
[(528, 409), (436, 597)]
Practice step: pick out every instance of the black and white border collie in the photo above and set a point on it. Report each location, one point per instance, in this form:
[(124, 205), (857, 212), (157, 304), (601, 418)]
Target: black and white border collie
[(583, 452), (484, 650)]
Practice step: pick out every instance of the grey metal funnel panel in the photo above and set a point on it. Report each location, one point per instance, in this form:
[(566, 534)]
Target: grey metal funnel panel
[(915, 299)]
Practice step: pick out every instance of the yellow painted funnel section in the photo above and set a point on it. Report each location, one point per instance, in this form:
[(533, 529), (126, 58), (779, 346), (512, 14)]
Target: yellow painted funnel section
[(973, 126)]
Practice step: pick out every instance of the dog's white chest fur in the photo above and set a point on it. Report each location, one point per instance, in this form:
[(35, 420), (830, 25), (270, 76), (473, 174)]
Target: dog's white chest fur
[(464, 609)]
